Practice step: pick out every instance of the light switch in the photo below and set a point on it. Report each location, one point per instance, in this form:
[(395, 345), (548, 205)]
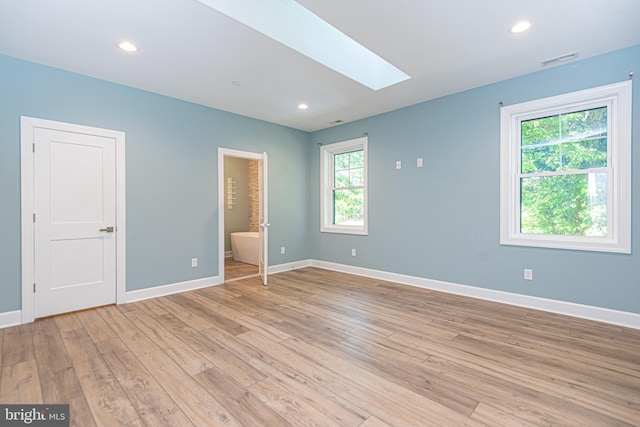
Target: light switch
[(398, 164)]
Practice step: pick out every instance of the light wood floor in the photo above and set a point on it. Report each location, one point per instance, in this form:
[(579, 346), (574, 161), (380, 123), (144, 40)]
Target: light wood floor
[(234, 269), (324, 349)]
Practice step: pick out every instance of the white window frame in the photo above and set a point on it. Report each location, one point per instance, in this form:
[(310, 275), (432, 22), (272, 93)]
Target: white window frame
[(618, 98), (327, 152)]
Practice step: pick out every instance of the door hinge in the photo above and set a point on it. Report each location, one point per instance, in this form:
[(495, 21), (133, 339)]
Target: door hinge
[(34, 288), (34, 217), (33, 147)]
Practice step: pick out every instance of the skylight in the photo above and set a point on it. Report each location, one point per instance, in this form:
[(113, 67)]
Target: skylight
[(291, 24)]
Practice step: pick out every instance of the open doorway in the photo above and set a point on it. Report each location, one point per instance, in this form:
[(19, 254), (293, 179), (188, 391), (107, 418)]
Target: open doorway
[(242, 215)]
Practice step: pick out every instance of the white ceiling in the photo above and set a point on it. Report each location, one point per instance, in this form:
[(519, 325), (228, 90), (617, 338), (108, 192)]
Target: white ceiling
[(192, 52)]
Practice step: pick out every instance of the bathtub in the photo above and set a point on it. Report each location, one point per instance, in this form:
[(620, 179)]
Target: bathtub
[(244, 246)]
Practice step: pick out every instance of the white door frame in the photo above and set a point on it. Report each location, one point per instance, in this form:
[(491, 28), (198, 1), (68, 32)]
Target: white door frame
[(222, 153), (27, 132)]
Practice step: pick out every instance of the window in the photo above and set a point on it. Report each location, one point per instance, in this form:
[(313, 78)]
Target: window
[(565, 174), (343, 167)]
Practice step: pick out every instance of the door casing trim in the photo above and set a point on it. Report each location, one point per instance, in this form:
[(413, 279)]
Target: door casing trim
[(222, 153), (27, 131)]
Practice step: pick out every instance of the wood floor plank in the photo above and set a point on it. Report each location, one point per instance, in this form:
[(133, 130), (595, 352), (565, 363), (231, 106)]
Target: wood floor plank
[(567, 371), (48, 346), (234, 367), (493, 379), (414, 376), (108, 402), (369, 393), (201, 408), (544, 376), (63, 387), (58, 379), (67, 321), (95, 325), (234, 269), (290, 406), (148, 397), (186, 357), (245, 406), (342, 322), (400, 395), (520, 401), (374, 422), (228, 325), (149, 306), (195, 320), (339, 409), (129, 333), (494, 416), (18, 345), (249, 322), (21, 384)]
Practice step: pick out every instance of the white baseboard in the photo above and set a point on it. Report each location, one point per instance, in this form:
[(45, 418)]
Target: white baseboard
[(621, 318), (173, 288), (274, 269), (10, 318)]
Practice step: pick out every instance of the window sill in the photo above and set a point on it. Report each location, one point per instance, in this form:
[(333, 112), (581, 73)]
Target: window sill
[(345, 230), (559, 242)]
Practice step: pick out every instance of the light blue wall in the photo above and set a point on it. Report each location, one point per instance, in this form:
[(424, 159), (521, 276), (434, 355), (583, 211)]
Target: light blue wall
[(442, 221), (439, 222), (171, 155)]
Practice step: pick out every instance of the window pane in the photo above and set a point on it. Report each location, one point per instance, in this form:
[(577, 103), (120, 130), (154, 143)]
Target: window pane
[(585, 124), (357, 177), (356, 159), (341, 179), (569, 205), (538, 131), (349, 169), (540, 159), (584, 154), (348, 207), (341, 161)]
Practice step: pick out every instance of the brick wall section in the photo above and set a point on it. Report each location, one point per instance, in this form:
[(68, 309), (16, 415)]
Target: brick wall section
[(254, 196)]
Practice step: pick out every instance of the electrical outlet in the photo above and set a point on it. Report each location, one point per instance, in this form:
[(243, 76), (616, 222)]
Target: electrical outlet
[(528, 274), (194, 262), (419, 162), (282, 250), (353, 252), (398, 164)]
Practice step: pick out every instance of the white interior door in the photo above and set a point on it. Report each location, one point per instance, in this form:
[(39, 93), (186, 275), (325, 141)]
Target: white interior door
[(75, 219), (263, 264)]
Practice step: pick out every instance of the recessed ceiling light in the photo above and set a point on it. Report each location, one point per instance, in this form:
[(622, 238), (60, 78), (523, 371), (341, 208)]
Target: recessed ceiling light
[(128, 46), (295, 26), (302, 106), (520, 27)]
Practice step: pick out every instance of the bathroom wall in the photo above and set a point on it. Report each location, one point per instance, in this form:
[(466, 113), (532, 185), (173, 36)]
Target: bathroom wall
[(236, 216)]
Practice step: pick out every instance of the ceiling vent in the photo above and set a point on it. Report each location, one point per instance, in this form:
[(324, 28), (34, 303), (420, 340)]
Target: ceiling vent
[(561, 58)]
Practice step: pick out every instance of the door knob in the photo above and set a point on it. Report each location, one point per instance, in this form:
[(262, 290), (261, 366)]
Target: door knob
[(108, 229)]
